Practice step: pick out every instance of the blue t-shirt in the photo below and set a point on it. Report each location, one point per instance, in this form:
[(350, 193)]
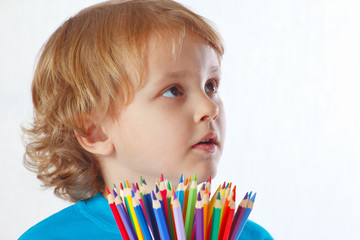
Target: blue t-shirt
[(93, 219)]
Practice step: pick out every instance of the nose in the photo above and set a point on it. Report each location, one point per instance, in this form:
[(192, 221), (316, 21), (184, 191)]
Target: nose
[(206, 109)]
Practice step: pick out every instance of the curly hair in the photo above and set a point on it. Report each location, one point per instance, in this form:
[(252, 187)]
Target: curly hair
[(84, 69)]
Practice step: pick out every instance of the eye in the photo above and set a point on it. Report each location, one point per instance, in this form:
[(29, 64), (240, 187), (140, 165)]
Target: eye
[(172, 92), (211, 86)]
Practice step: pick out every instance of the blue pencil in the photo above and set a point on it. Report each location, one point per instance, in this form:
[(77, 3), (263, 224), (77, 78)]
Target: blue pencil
[(160, 218), (141, 217), (150, 211), (249, 207), (180, 191)]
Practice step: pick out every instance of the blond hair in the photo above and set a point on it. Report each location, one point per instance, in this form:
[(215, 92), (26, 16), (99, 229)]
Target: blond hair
[(84, 68)]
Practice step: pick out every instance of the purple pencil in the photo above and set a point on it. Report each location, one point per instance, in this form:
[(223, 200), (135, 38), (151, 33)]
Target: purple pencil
[(238, 216), (125, 217), (178, 218), (199, 218)]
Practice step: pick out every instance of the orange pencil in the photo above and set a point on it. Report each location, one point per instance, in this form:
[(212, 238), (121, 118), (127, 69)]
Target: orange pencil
[(205, 200)]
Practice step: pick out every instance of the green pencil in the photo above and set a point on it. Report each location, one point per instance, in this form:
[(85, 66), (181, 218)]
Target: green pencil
[(190, 210), (216, 219)]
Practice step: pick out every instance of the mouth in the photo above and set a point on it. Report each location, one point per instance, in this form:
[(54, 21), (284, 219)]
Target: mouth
[(208, 143)]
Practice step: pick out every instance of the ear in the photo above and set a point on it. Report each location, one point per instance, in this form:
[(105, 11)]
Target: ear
[(95, 140)]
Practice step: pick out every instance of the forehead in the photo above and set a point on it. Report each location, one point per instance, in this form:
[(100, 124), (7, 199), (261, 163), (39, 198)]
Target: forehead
[(178, 52)]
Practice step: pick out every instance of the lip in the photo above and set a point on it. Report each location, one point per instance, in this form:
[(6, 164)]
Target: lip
[(211, 145)]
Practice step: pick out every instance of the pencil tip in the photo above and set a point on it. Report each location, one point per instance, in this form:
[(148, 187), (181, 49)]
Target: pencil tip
[(162, 178), (107, 191), (199, 196), (174, 195), (115, 193), (195, 177), (246, 196), (154, 196), (181, 178), (209, 179), (141, 181), (253, 198)]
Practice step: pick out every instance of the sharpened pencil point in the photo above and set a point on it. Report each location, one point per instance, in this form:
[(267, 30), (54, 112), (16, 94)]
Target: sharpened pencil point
[(153, 196), (253, 198), (115, 193), (218, 196), (174, 195), (156, 188), (246, 196), (162, 178), (195, 177), (169, 186), (107, 191), (181, 178)]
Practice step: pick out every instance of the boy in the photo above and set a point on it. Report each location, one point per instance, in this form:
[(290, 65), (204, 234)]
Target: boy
[(124, 89)]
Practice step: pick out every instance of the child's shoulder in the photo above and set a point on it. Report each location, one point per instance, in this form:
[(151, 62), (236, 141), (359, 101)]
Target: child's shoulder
[(85, 219), (253, 230)]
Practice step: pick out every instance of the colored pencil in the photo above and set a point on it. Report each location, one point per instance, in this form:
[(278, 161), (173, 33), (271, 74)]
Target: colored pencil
[(141, 214), (180, 191), (123, 214), (227, 219), (199, 218), (249, 208), (205, 200), (116, 215), (160, 218), (186, 196), (189, 220), (133, 216), (212, 201), (141, 218), (238, 216), (178, 218), (163, 193), (216, 219), (171, 224), (150, 211)]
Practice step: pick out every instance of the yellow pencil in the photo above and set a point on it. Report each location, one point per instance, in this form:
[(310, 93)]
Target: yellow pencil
[(132, 212)]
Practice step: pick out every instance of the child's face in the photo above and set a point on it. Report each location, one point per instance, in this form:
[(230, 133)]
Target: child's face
[(175, 123)]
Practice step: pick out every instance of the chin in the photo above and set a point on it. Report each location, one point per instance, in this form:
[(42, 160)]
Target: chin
[(204, 173)]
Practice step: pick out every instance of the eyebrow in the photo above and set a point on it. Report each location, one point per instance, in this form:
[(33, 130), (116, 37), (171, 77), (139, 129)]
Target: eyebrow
[(181, 74)]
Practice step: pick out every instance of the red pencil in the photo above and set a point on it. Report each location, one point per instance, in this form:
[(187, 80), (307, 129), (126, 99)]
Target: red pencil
[(117, 217), (228, 219)]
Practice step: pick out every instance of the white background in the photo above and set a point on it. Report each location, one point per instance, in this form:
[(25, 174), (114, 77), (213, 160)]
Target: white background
[(291, 82)]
